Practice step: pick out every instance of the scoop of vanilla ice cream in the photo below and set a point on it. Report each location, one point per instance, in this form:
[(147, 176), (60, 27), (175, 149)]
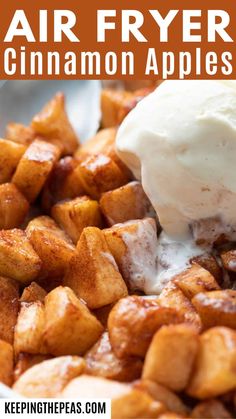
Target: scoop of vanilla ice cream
[(181, 142)]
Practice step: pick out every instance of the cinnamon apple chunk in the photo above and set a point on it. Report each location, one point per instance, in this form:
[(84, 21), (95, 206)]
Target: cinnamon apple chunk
[(35, 167), (76, 214), (13, 206), (100, 173), (18, 259), (216, 308), (6, 363), (112, 105), (228, 258), (70, 328), (48, 378), (29, 329), (116, 104), (9, 297), (33, 293), (164, 395), (212, 408), (172, 296), (211, 264), (19, 133), (102, 361), (10, 155), (134, 247), (194, 280), (129, 202), (53, 123), (52, 244), (63, 183), (25, 361), (215, 368), (102, 143), (170, 357), (133, 321), (93, 273)]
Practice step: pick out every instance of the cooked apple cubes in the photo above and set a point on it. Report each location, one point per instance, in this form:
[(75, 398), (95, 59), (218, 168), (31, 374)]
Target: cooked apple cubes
[(128, 202), (133, 245), (61, 326), (19, 133), (171, 355), (70, 328), (52, 244), (53, 123), (48, 378), (73, 216), (18, 259), (100, 173), (10, 155), (9, 295), (215, 371), (34, 168), (29, 329), (93, 273), (6, 363), (133, 321), (13, 206)]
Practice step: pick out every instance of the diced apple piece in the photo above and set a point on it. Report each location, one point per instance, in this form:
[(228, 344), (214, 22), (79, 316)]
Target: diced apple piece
[(29, 329), (128, 202), (101, 143), (53, 246), (112, 105), (215, 369), (162, 394), (134, 247), (33, 293), (172, 296), (100, 173), (133, 321), (73, 216), (171, 355), (229, 260), (9, 297), (194, 280), (63, 183), (13, 206), (53, 123), (6, 363), (26, 361), (18, 259), (212, 409), (10, 155), (93, 273), (19, 133), (34, 168), (216, 308), (102, 361), (48, 378), (70, 328), (211, 264)]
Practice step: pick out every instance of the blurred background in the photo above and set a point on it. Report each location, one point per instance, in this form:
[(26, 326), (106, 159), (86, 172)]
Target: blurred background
[(20, 100)]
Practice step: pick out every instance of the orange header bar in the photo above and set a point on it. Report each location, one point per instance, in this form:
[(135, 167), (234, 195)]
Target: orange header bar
[(122, 39)]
